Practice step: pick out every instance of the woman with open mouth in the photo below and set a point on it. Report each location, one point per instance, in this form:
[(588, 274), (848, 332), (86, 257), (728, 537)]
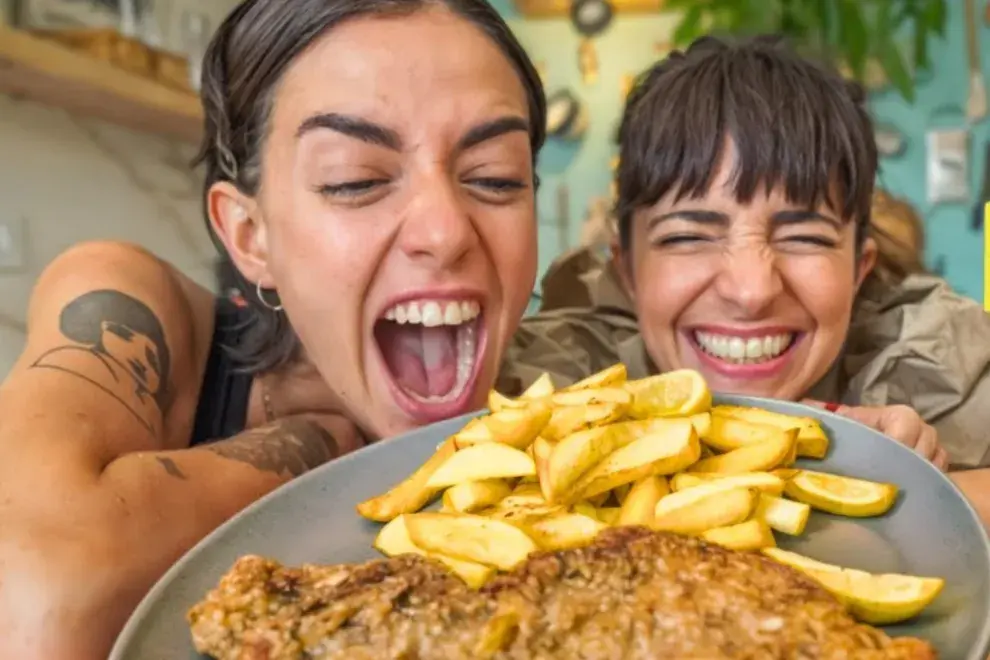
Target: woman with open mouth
[(370, 175)]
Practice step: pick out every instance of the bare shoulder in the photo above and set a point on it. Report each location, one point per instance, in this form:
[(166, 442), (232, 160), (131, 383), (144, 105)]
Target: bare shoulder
[(115, 331)]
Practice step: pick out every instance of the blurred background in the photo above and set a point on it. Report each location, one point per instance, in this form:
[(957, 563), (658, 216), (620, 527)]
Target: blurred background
[(99, 118)]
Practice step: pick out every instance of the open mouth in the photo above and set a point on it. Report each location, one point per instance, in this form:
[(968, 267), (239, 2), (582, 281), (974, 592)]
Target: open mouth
[(745, 350), (431, 351)]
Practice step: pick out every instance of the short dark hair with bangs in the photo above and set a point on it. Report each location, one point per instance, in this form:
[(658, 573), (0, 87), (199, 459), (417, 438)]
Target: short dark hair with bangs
[(794, 123)]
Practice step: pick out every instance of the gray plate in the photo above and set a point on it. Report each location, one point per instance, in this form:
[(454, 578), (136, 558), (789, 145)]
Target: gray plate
[(931, 531)]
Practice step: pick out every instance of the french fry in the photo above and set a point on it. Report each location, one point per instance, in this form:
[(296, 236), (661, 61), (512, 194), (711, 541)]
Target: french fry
[(766, 482), (609, 514), (640, 503), (541, 457), (783, 515), (569, 530), (614, 376), (752, 534), (471, 496), (524, 495), (410, 495), (702, 423), (727, 433), (566, 420), (812, 442), (521, 516), (705, 507), (575, 455), (470, 538), (541, 388), (393, 540), (586, 509), (551, 469), (498, 401), (491, 460), (671, 447), (614, 395), (758, 457), (515, 427)]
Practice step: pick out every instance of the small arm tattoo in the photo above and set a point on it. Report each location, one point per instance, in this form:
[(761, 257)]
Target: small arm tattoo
[(170, 467), (287, 447), (118, 345)]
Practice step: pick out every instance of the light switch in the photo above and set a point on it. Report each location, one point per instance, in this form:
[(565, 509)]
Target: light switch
[(12, 244)]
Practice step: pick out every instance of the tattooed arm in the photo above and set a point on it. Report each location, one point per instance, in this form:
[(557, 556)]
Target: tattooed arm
[(99, 492)]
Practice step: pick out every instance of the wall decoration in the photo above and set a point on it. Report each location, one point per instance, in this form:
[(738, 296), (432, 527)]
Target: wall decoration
[(590, 18), (947, 165), (947, 156), (567, 117), (891, 142)]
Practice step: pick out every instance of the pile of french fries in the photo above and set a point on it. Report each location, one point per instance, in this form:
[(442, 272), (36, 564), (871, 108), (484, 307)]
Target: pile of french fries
[(553, 468)]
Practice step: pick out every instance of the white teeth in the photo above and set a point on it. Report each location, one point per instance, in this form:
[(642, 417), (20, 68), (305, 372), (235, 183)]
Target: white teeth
[(412, 313), (744, 350), (432, 313), (432, 316)]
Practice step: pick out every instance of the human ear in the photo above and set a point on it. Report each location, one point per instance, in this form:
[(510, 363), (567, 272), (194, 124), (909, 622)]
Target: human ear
[(867, 260), (237, 222)]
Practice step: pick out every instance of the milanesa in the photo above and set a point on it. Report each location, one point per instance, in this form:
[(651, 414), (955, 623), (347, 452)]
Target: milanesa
[(632, 594)]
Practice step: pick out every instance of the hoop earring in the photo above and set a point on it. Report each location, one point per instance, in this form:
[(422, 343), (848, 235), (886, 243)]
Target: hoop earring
[(261, 298)]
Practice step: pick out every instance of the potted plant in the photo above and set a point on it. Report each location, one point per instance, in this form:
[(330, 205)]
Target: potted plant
[(872, 40)]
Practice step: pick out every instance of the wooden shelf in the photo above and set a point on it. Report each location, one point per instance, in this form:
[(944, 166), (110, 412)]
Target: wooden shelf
[(40, 70), (558, 8)]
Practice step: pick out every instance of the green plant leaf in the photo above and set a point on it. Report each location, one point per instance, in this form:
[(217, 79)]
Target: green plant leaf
[(935, 15), (690, 26), (921, 34), (677, 5), (853, 34), (897, 72)]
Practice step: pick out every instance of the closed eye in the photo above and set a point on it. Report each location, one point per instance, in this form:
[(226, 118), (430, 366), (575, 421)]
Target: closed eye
[(350, 188), (679, 239), (496, 184), (819, 241)]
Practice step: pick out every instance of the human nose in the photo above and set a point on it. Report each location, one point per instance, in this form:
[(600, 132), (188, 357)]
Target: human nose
[(437, 227), (749, 278)]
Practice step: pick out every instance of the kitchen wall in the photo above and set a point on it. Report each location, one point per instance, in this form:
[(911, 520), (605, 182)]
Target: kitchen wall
[(630, 45), (64, 180)]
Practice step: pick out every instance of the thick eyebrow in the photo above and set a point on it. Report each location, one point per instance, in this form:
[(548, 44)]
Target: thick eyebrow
[(355, 127), (372, 133), (701, 217), (491, 130), (782, 218)]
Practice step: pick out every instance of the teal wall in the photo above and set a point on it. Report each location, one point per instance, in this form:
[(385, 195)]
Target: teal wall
[(629, 46)]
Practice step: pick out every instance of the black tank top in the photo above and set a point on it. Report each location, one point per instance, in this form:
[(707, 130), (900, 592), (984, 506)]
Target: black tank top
[(223, 400)]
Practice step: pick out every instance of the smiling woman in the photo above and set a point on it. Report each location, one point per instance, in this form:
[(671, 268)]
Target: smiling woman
[(746, 251), (375, 199)]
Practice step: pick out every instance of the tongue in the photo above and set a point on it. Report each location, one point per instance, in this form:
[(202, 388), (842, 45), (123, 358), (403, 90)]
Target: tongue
[(422, 360)]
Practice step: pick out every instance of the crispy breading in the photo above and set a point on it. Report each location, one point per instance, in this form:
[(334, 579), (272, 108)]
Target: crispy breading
[(633, 593)]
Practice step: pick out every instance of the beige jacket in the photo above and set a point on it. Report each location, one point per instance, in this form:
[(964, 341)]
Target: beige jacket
[(917, 343)]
